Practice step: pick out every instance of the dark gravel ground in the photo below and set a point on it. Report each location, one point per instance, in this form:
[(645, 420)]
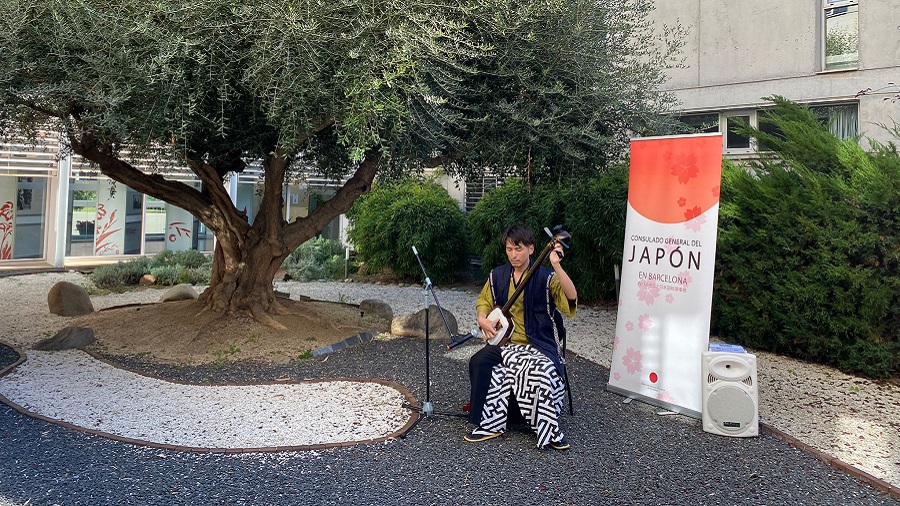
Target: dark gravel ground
[(622, 454)]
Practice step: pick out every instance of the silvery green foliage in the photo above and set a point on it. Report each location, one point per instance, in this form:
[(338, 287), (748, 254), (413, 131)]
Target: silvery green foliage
[(517, 86)]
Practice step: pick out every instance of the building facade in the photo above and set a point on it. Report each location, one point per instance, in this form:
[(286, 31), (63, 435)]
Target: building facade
[(819, 52), (58, 212)]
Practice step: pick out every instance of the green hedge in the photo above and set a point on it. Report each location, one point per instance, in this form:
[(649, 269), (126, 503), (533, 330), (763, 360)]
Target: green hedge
[(593, 212), (388, 221), (809, 248)]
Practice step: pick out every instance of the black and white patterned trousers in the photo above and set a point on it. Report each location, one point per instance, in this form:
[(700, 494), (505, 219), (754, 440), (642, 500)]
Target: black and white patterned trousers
[(529, 375)]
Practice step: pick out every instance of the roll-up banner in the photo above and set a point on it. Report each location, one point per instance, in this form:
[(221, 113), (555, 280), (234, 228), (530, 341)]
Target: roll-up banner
[(665, 297)]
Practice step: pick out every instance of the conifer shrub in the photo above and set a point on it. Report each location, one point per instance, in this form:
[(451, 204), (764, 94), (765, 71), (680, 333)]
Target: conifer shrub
[(388, 221), (808, 256)]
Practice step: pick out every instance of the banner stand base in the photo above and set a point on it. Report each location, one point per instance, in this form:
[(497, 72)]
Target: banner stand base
[(655, 402)]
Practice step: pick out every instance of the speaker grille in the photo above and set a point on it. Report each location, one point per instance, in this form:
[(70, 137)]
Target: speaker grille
[(710, 379), (731, 408)]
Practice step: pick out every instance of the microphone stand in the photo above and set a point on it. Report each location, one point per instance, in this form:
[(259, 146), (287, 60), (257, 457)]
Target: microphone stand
[(427, 408)]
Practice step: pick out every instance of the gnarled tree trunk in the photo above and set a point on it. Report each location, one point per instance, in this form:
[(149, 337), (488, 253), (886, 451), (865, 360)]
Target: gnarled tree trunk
[(246, 256), (241, 281)]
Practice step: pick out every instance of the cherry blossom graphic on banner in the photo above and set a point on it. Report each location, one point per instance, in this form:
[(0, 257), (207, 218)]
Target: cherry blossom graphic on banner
[(667, 273)]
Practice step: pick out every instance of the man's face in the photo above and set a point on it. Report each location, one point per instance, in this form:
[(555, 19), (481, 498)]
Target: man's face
[(518, 254)]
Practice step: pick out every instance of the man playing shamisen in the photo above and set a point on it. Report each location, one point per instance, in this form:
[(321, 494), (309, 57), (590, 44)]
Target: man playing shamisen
[(528, 368)]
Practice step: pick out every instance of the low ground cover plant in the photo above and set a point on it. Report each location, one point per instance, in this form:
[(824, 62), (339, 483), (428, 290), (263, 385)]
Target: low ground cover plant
[(167, 267)]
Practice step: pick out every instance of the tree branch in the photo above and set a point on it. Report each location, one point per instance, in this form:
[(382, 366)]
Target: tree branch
[(302, 229), (438, 161), (34, 107), (228, 217), (270, 222), (173, 192)]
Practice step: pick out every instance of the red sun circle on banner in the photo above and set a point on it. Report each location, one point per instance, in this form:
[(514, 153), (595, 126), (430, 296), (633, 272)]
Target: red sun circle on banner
[(688, 167), (653, 377)]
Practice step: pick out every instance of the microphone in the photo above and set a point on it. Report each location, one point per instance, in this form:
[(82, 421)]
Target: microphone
[(458, 339)]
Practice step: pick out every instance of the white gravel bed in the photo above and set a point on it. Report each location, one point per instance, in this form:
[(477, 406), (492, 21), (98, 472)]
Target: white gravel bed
[(851, 418), (74, 387)]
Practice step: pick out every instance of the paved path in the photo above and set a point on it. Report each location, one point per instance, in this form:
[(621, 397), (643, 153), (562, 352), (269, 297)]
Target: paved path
[(623, 454)]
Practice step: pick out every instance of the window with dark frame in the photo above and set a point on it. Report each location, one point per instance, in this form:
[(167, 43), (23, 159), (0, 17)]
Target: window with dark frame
[(842, 120)]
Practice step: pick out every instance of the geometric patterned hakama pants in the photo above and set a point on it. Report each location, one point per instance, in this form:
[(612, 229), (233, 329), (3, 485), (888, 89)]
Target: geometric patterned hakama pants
[(529, 375)]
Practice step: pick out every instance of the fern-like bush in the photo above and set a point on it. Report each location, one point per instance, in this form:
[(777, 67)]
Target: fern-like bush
[(809, 247), (391, 219)]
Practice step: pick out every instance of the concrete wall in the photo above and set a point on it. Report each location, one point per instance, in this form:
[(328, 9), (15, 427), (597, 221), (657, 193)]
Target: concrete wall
[(738, 52)]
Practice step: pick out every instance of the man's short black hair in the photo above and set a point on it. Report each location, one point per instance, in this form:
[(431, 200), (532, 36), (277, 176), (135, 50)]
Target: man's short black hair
[(518, 234)]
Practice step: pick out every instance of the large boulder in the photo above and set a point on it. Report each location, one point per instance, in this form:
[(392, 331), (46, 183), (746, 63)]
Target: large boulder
[(414, 325), (179, 292), (69, 299), (377, 308), (68, 338)]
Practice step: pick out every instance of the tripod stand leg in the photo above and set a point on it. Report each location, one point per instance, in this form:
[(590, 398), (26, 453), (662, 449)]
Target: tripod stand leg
[(568, 390), (413, 426)]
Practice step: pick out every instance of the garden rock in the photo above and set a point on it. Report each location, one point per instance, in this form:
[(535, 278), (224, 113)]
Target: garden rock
[(147, 279), (378, 308), (179, 292), (414, 324), (69, 338), (69, 299)]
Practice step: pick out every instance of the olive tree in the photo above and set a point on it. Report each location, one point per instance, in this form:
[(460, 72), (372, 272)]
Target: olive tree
[(345, 89)]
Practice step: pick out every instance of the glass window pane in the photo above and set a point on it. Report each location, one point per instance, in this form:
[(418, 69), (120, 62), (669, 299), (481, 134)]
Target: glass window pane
[(22, 218), (842, 120), (134, 222), (734, 140), (842, 37), (81, 217), (767, 127), (706, 123), (154, 226)]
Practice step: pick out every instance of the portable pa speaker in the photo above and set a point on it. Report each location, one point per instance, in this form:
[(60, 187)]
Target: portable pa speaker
[(730, 400)]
